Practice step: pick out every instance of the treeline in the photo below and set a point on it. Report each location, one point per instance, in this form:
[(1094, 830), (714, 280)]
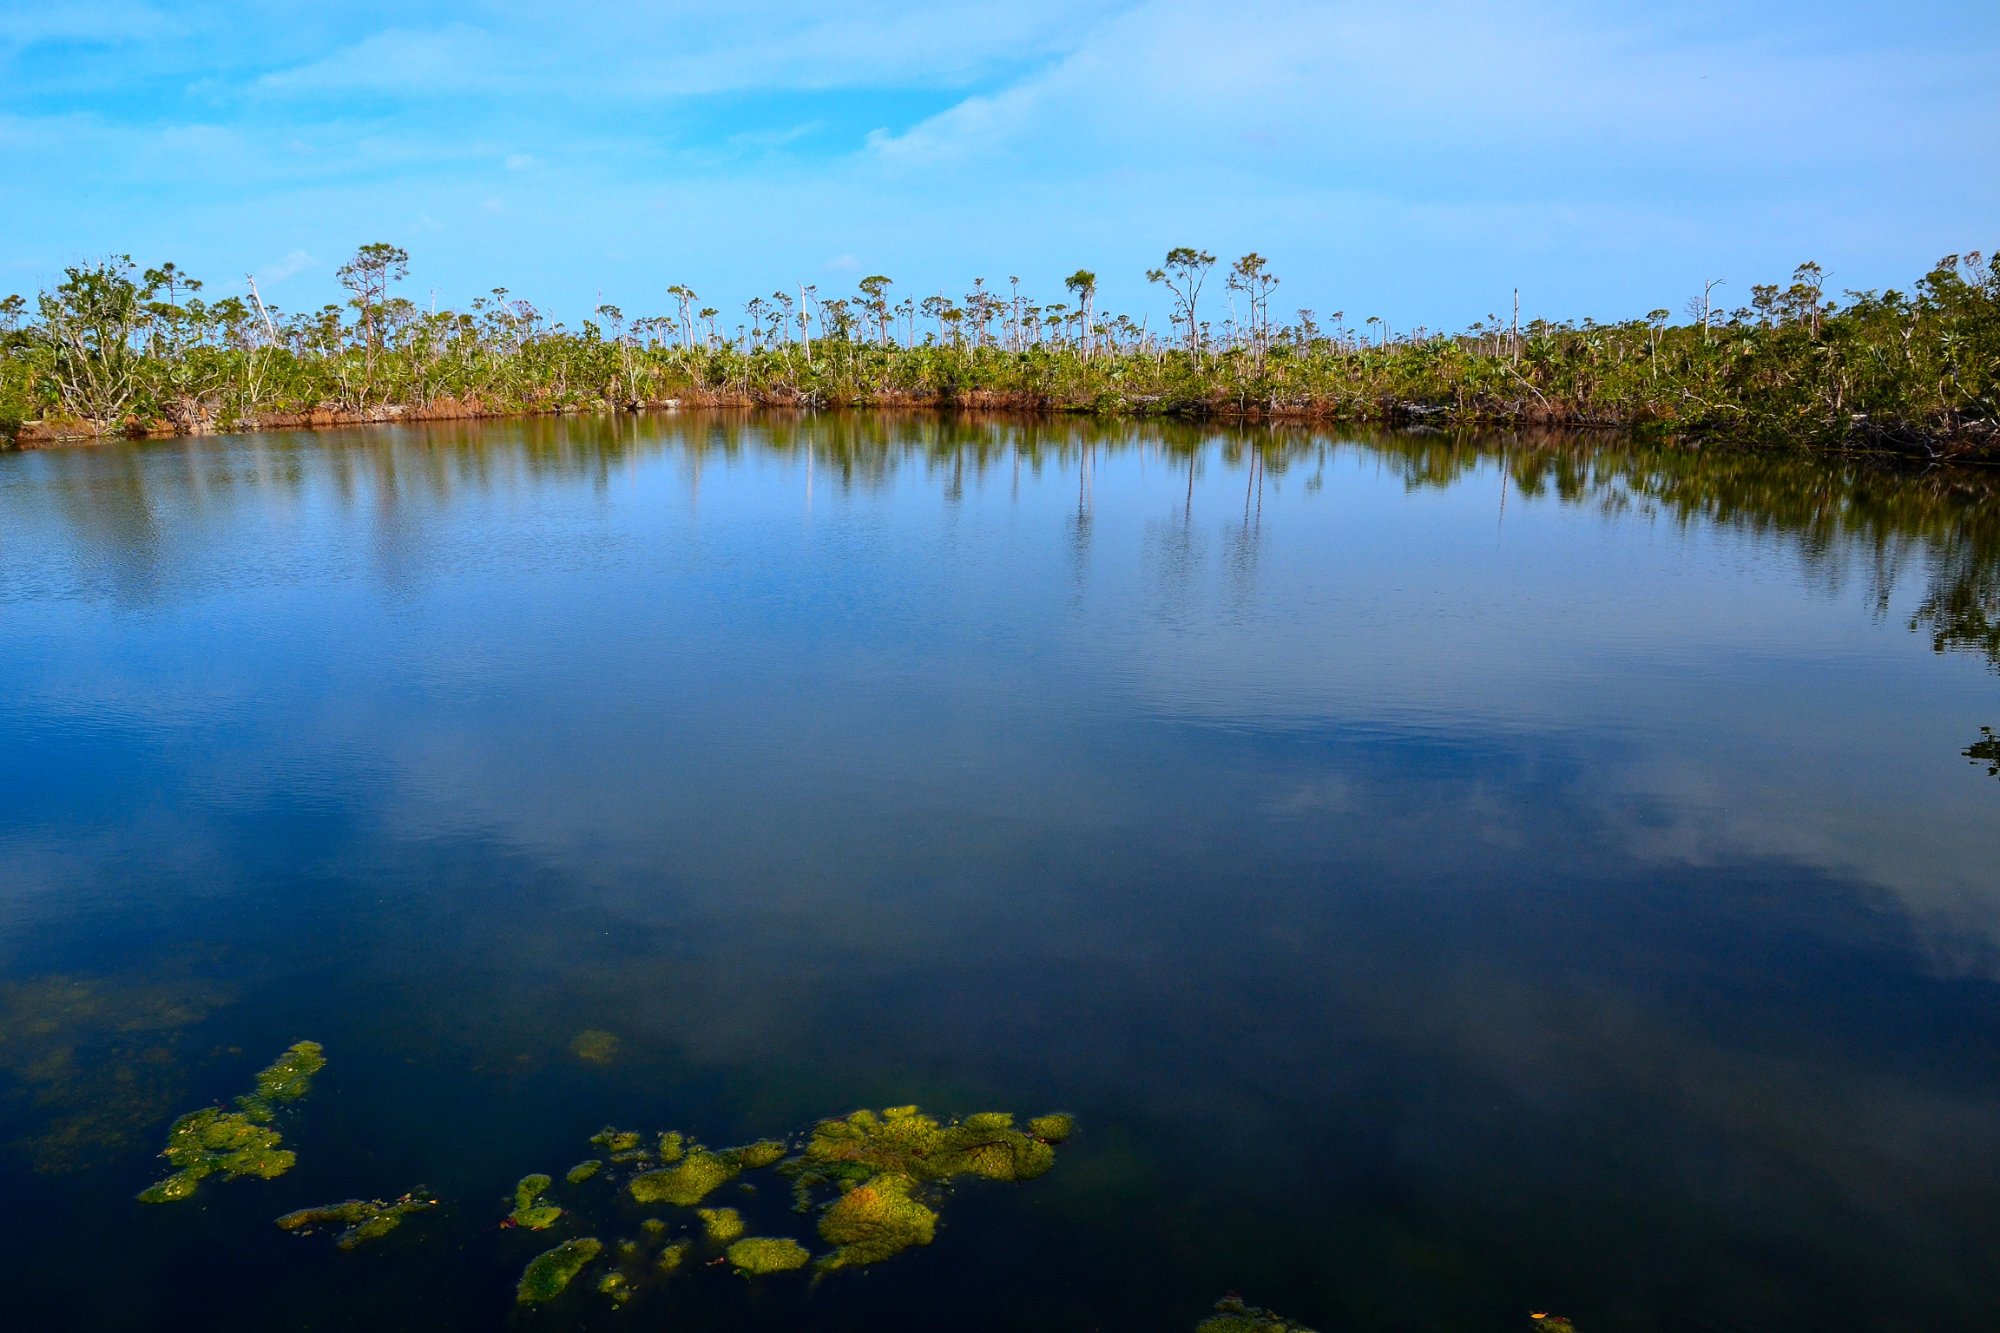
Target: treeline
[(113, 348)]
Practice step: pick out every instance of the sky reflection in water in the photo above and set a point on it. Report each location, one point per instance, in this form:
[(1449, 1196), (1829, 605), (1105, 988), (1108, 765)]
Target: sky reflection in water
[(1447, 878)]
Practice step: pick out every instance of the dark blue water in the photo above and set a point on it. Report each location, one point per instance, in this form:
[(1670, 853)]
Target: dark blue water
[(1446, 878)]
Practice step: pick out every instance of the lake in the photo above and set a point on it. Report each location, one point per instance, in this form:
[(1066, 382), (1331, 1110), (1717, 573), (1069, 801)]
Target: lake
[(1446, 877)]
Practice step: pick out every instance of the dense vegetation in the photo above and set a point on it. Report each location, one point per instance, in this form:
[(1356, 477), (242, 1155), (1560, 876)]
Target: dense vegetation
[(113, 348)]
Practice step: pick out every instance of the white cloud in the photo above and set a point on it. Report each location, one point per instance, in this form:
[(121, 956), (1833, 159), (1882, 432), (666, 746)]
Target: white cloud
[(678, 51), (298, 261), (451, 60), (1272, 89), (1416, 160)]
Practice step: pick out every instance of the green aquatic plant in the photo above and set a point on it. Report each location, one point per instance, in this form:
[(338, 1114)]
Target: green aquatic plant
[(762, 1254), (215, 1142), (689, 1173), (616, 1285), (904, 1141), (751, 1156), (687, 1183), (212, 1142), (549, 1273), (360, 1220), (532, 1210), (673, 1255), (627, 1146), (583, 1171), (284, 1080), (594, 1046), (1232, 1315), (1052, 1128), (884, 1163), (722, 1224), (874, 1221)]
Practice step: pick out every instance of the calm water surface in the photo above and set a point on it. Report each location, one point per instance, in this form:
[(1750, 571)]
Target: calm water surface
[(1445, 878)]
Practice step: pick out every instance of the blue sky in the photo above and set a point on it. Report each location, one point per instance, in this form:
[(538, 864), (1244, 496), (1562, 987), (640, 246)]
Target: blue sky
[(1414, 160)]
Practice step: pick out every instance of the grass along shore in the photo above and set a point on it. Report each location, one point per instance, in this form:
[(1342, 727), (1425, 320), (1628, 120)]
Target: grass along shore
[(113, 350)]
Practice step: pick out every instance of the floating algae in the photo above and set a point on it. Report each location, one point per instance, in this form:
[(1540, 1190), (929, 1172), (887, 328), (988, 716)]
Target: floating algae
[(696, 1172), (532, 1211), (213, 1141), (722, 1224), (876, 1177), (882, 1163), (550, 1272), (360, 1220), (1233, 1316), (751, 1156), (284, 1080), (1052, 1128), (875, 1220), (594, 1046), (627, 1146), (763, 1254), (686, 1184), (904, 1141)]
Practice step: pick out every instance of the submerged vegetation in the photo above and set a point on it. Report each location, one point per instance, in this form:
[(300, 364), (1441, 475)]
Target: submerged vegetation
[(114, 348), (359, 1220), (212, 1141), (93, 1064), (594, 1046), (1233, 1315)]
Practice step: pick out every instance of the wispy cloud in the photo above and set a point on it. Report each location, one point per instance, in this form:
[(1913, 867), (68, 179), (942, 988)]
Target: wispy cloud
[(298, 261), (1410, 159), (446, 62)]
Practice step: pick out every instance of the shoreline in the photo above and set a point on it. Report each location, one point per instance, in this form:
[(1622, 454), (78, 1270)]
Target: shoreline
[(1965, 449)]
